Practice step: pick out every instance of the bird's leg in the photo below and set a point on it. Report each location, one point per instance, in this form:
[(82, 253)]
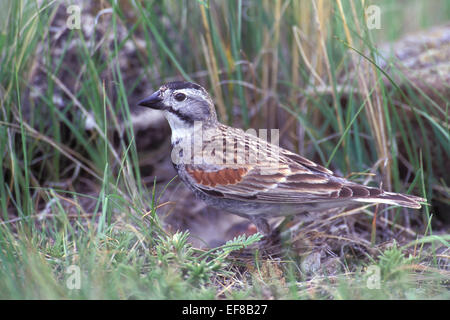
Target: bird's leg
[(262, 225), (270, 243), (282, 226)]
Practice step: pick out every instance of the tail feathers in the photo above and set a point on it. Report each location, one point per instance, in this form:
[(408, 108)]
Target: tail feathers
[(394, 199)]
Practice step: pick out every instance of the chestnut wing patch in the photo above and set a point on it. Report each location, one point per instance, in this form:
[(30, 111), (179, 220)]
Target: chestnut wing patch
[(221, 177)]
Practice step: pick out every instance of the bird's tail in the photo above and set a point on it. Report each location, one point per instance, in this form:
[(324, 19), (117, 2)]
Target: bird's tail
[(404, 200)]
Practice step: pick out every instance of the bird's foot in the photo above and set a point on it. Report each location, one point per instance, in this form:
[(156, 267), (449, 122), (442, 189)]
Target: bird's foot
[(271, 237)]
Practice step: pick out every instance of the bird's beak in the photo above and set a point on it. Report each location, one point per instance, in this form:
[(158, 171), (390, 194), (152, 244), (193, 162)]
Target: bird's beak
[(154, 101)]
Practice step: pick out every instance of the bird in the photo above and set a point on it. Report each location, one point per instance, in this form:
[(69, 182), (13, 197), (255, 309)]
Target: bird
[(243, 174)]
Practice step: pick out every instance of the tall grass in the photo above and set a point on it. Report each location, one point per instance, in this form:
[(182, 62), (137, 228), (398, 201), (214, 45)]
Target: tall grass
[(268, 64)]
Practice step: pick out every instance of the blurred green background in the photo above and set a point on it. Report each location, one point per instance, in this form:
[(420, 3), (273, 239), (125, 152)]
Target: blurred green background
[(312, 69)]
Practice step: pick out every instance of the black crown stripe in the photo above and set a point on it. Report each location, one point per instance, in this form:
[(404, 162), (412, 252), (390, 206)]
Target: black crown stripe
[(177, 85)]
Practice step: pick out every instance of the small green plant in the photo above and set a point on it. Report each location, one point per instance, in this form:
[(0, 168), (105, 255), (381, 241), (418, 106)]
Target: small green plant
[(394, 264)]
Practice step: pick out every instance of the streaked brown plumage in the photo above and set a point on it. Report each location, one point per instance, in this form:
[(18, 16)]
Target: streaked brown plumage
[(246, 175)]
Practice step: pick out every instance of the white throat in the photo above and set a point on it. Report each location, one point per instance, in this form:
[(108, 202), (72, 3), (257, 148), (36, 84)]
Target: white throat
[(180, 128)]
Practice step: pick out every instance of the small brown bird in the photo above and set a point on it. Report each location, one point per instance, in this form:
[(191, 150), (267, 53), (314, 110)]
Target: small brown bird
[(245, 175)]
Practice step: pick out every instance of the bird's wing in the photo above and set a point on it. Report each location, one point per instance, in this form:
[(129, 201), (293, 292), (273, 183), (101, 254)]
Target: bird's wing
[(292, 179), (280, 176)]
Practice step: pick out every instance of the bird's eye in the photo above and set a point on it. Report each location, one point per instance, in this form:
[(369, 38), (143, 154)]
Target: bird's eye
[(180, 97)]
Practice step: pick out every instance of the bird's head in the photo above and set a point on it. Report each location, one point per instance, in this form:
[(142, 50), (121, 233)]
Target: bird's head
[(183, 104)]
